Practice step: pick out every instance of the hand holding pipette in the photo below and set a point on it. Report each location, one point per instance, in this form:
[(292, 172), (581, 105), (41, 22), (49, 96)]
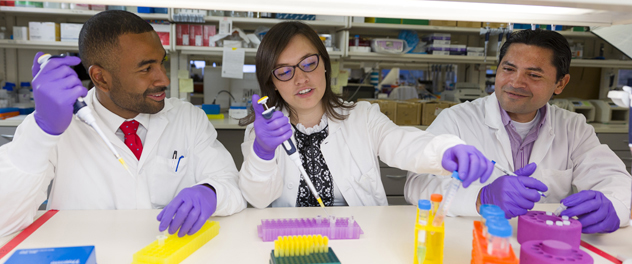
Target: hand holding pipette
[(515, 195), (58, 93), (469, 162), (281, 134), (507, 172)]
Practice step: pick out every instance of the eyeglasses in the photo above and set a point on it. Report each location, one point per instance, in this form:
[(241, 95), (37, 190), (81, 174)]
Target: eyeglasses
[(286, 73)]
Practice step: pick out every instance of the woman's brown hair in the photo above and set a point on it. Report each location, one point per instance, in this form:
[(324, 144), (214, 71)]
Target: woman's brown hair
[(274, 42)]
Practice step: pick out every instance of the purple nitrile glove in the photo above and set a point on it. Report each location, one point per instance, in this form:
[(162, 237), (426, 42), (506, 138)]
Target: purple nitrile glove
[(469, 162), (593, 210), (270, 133), (515, 195), (188, 211), (56, 87)]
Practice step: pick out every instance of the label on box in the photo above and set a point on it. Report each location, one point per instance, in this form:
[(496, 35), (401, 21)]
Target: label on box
[(42, 31), (182, 34), (70, 32), (440, 52), (475, 54), (225, 26), (198, 40), (441, 42), (194, 32)]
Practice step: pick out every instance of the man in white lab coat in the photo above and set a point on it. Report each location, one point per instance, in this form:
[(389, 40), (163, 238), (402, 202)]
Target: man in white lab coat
[(170, 147), (516, 126)]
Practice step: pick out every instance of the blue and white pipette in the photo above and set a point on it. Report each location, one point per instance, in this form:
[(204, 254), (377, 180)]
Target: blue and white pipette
[(290, 149), (85, 114)]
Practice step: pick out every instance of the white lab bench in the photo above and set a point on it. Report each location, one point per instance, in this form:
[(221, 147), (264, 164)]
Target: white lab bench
[(231, 135), (388, 235)]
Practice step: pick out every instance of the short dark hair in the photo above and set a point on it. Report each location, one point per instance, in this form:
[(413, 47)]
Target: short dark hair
[(543, 39), (274, 42), (98, 38)]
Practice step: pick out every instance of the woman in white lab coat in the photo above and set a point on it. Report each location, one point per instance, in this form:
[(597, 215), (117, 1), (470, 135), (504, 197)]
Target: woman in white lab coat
[(339, 142)]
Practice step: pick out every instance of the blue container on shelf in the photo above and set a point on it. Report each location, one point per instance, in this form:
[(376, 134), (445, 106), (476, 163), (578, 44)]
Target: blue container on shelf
[(144, 9), (9, 109), (159, 10), (211, 109)]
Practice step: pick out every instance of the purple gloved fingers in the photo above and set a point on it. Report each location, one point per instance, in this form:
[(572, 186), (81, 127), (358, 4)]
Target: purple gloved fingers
[(167, 213), (527, 170), (594, 210), (181, 214), (188, 211), (36, 66), (531, 186), (270, 133), (578, 198), (608, 224), (515, 210), (470, 163)]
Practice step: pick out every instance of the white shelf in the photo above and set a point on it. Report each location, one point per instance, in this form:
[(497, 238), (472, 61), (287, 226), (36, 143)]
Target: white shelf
[(390, 27), (417, 58), (40, 45), (69, 12), (45, 45), (601, 63), (218, 51), (272, 21)]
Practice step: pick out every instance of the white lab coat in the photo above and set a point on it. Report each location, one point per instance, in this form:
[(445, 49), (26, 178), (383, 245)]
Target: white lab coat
[(87, 176), (351, 151), (567, 152)]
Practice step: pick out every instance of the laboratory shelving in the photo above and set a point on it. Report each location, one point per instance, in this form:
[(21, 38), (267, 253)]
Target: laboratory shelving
[(272, 21), (46, 45), (419, 58), (218, 51), (67, 12)]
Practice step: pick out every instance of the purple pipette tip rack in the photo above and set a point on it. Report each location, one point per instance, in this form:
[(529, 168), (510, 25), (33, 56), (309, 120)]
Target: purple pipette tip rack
[(533, 226), (552, 252), (342, 228)]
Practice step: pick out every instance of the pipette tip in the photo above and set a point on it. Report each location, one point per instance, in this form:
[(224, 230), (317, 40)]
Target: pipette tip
[(320, 201), (125, 166)]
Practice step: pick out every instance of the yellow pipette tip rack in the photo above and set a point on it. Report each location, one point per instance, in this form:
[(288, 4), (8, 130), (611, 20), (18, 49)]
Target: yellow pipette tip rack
[(175, 249), (302, 249)]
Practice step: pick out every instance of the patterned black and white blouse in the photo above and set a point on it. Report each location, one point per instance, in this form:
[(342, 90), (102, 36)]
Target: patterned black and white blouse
[(308, 144)]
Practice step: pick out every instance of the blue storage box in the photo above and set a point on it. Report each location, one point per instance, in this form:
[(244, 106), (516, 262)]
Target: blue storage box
[(295, 16), (211, 109), (79, 255), (144, 9), (9, 109), (158, 10)]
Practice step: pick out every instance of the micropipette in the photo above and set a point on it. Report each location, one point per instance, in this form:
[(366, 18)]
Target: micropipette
[(290, 149), (455, 183), (84, 114), (510, 174)]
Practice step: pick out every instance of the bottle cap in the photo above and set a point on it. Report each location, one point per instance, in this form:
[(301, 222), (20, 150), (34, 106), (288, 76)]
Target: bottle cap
[(492, 211), (435, 197), (424, 204), (499, 228)]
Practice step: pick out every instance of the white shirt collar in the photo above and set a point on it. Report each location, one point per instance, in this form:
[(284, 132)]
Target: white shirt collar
[(113, 121)]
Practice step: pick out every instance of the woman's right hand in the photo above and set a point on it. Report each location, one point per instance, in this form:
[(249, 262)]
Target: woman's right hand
[(270, 133)]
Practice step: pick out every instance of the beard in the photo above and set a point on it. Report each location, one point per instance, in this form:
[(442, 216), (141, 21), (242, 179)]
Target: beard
[(139, 103)]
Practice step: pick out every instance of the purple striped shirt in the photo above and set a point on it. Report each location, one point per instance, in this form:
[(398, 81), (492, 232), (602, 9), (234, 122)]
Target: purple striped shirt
[(521, 150)]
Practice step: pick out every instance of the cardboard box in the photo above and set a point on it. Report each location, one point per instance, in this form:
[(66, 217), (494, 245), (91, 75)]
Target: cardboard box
[(196, 35), (430, 111), (44, 31), (496, 25), (408, 113), (387, 107), (468, 24), (70, 31), (209, 31), (442, 23), (163, 30), (182, 34)]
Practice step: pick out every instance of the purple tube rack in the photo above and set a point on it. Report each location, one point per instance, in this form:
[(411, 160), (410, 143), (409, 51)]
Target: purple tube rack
[(552, 252), (271, 229), (532, 226)]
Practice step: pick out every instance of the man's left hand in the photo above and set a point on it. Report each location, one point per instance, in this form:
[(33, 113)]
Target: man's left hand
[(593, 210), (188, 211)]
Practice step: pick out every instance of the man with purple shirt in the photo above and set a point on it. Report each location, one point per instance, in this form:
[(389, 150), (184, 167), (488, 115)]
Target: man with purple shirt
[(552, 150)]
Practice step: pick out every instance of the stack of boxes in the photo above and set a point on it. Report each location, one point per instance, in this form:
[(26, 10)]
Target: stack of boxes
[(412, 112), (195, 35)]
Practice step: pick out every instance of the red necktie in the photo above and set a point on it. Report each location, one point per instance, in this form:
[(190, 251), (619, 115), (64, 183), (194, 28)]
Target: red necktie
[(132, 141)]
